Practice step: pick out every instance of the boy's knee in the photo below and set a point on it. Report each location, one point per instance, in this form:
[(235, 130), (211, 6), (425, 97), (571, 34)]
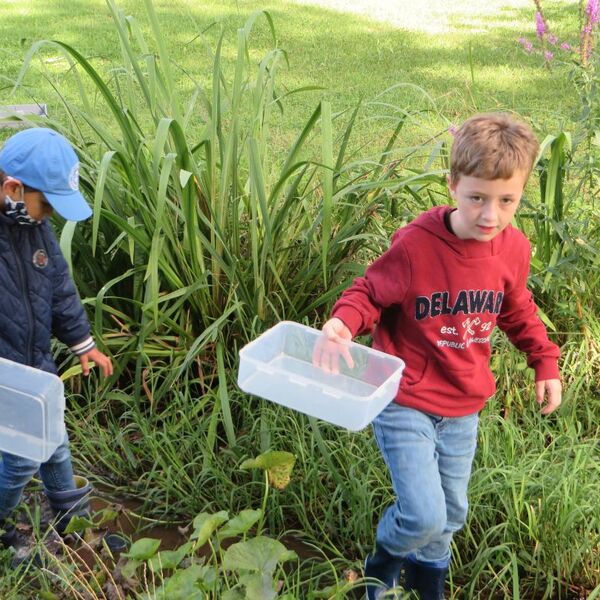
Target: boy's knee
[(430, 527), (421, 526)]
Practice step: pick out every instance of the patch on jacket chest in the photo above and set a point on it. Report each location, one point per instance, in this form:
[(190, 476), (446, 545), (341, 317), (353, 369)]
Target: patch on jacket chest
[(40, 259)]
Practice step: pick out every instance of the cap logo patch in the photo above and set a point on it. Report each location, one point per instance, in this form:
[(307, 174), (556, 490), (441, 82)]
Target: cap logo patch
[(74, 177), (40, 259)]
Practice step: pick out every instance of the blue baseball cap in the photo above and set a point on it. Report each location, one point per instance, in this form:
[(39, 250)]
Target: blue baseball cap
[(44, 160)]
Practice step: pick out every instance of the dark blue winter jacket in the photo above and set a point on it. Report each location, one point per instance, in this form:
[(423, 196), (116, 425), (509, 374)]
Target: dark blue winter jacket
[(39, 298)]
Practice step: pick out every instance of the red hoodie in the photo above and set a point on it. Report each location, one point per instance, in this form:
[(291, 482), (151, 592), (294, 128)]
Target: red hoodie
[(433, 299)]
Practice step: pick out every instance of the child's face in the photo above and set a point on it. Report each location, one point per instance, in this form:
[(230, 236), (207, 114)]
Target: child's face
[(37, 206), (485, 206), (35, 202)]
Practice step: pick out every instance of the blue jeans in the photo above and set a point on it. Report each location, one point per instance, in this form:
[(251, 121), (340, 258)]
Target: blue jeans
[(16, 472), (429, 459)]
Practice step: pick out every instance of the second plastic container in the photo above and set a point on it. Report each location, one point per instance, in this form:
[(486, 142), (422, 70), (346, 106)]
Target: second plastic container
[(32, 407)]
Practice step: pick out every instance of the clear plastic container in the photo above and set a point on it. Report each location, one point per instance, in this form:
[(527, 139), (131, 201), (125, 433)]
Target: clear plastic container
[(278, 366), (32, 410)]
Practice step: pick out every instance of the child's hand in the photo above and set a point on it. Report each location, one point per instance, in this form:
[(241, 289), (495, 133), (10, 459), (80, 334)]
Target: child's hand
[(551, 391), (99, 358), (334, 342)]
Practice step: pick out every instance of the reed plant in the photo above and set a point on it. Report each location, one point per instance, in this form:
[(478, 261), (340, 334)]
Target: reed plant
[(204, 240)]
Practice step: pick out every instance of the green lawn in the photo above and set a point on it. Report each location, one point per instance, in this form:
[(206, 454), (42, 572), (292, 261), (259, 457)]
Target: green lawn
[(351, 56)]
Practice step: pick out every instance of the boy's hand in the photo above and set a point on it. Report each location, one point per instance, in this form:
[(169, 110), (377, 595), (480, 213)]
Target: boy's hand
[(331, 345), (99, 358), (551, 391)]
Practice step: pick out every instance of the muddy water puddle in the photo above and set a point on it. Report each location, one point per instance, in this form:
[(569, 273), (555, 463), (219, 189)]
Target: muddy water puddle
[(133, 525)]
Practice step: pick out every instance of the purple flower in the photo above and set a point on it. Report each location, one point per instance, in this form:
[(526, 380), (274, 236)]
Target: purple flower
[(552, 39), (593, 12), (548, 55), (565, 46), (540, 26), (452, 129), (527, 45)]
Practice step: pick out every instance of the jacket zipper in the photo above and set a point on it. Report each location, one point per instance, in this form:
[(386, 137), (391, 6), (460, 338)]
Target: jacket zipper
[(27, 302)]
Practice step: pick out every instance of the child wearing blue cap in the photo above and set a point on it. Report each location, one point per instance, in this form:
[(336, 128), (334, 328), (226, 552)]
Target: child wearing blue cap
[(39, 173)]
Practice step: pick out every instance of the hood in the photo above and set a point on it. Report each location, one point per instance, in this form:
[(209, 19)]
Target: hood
[(432, 221)]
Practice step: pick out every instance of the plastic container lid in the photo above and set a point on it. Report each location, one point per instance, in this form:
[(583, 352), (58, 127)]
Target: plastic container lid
[(32, 408), (283, 365)]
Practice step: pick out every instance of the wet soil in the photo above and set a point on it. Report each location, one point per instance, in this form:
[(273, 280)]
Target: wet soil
[(129, 524)]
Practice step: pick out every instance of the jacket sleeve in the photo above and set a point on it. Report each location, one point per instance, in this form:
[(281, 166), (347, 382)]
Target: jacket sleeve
[(519, 319), (69, 321), (384, 284)]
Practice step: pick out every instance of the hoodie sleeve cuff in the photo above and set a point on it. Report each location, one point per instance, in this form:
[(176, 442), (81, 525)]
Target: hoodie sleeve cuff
[(83, 346), (547, 369), (351, 317)]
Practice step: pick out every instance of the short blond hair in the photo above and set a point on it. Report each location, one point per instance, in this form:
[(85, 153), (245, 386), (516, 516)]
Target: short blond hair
[(493, 146)]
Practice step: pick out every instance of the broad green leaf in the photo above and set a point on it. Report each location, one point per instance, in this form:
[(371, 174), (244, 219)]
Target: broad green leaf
[(183, 584), (278, 465), (260, 554), (205, 525), (240, 523), (143, 549), (233, 595), (210, 576), (78, 524), (128, 570), (259, 586), (287, 556), (106, 515), (270, 459), (169, 559)]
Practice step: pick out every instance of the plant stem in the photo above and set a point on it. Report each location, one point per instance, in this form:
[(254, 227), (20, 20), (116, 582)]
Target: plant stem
[(264, 505)]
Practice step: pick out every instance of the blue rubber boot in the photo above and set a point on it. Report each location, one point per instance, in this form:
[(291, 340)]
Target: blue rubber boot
[(70, 503), (430, 581), (392, 571)]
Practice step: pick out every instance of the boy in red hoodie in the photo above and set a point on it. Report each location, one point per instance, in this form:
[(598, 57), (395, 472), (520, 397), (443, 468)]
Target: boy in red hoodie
[(433, 299)]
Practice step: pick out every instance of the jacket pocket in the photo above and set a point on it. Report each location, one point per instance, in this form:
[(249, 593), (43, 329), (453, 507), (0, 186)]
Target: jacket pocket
[(439, 381)]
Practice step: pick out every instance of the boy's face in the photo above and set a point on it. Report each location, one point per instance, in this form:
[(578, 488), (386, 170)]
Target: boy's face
[(35, 202), (37, 206), (485, 206)]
